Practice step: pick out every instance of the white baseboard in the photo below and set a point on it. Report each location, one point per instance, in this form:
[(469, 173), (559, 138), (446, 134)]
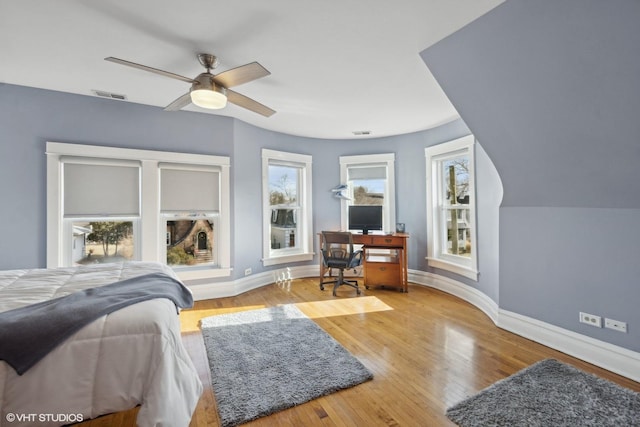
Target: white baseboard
[(236, 287), (459, 289), (608, 356)]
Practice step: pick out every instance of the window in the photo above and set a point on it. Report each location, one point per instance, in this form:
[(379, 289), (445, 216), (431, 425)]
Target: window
[(190, 217), (451, 207), (101, 209), (370, 181), (287, 224), (107, 204)]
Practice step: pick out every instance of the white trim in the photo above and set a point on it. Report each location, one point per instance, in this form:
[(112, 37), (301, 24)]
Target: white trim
[(150, 242), (454, 268), (303, 252), (202, 273), (189, 167), (236, 287), (283, 259), (54, 211), (473, 296), (63, 148), (608, 356), (151, 233), (285, 156), (367, 158)]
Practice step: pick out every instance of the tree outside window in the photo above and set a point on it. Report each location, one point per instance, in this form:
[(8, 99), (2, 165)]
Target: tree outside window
[(103, 241), (451, 207), (287, 207), (455, 206)]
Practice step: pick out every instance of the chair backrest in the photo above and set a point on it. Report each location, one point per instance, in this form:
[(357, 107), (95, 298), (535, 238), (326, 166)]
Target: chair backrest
[(337, 245)]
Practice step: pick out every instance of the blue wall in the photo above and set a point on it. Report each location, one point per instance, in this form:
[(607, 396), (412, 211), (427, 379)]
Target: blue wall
[(29, 117), (410, 191), (551, 90)]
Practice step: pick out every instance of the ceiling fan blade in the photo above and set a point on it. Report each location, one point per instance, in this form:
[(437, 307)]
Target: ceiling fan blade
[(150, 69), (179, 103), (249, 104), (242, 74)]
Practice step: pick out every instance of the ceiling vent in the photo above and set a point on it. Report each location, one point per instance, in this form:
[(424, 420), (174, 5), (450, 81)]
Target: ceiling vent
[(105, 94), (361, 132)]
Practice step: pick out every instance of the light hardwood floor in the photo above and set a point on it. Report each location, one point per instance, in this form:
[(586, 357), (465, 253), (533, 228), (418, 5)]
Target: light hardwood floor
[(426, 349)]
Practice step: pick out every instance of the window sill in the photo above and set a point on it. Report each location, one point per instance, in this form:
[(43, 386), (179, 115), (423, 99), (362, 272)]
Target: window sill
[(454, 268), (285, 259)]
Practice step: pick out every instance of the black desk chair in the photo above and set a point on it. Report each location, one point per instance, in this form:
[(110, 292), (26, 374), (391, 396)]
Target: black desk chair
[(338, 253)]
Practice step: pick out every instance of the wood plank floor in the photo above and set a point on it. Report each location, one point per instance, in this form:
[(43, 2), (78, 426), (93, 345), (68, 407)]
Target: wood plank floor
[(426, 349)]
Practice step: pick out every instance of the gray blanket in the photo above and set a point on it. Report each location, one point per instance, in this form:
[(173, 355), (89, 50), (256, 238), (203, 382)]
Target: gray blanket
[(28, 334)]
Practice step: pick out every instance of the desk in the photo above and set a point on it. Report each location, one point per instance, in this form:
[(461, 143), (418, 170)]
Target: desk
[(380, 269)]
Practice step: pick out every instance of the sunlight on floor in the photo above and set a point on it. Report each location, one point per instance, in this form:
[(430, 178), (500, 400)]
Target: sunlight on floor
[(190, 319), (341, 307)]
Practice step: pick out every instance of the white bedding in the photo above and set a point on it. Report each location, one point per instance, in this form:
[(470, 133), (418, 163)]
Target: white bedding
[(131, 357)]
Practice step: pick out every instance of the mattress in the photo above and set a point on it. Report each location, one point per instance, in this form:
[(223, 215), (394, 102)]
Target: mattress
[(131, 357)]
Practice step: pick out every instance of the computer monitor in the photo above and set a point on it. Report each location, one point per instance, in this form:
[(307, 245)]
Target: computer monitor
[(365, 218)]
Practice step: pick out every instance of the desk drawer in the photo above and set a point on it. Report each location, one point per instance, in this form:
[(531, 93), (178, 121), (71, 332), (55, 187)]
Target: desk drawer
[(387, 241), (382, 273)]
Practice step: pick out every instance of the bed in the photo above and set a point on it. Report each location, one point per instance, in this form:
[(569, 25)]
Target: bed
[(133, 356)]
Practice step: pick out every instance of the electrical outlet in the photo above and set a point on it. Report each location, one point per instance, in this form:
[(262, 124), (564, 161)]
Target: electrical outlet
[(247, 271), (591, 319), (615, 325)]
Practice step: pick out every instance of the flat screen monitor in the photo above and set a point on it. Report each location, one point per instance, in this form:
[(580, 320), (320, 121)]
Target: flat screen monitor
[(365, 218)]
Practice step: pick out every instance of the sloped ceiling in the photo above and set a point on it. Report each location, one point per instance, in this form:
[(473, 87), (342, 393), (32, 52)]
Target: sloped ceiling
[(552, 92)]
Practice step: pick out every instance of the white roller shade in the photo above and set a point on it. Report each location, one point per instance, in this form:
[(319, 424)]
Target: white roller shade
[(101, 189), (189, 190), (367, 172)]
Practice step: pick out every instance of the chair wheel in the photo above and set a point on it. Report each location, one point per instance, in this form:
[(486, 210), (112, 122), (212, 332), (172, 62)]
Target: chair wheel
[(366, 287), (321, 288)]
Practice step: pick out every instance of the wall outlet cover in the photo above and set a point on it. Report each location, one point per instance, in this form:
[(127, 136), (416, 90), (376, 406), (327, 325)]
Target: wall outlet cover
[(591, 319), (616, 325)]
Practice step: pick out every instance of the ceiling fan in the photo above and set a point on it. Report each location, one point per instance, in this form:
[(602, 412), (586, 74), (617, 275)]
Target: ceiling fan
[(209, 90)]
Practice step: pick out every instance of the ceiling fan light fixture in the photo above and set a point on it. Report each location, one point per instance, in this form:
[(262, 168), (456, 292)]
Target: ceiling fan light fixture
[(208, 90), (209, 98)]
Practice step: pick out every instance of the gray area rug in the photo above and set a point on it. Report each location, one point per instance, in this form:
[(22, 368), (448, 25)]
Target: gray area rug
[(264, 361), (550, 393)]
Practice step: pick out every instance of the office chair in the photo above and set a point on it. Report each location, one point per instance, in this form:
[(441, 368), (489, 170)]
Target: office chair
[(337, 252)]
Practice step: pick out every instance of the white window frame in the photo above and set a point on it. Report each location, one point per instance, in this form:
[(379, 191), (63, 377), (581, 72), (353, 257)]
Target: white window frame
[(389, 207), (304, 252), (436, 221), (152, 234)]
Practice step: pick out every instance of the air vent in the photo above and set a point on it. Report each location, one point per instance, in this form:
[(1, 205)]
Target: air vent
[(361, 132), (105, 94)]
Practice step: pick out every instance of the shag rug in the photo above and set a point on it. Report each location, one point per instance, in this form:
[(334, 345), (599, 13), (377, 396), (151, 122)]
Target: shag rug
[(550, 393), (264, 361)]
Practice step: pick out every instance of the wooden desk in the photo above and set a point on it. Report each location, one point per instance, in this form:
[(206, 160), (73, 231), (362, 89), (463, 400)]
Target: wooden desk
[(380, 269)]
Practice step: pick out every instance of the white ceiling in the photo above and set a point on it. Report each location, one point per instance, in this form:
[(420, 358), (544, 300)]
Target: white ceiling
[(336, 66)]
